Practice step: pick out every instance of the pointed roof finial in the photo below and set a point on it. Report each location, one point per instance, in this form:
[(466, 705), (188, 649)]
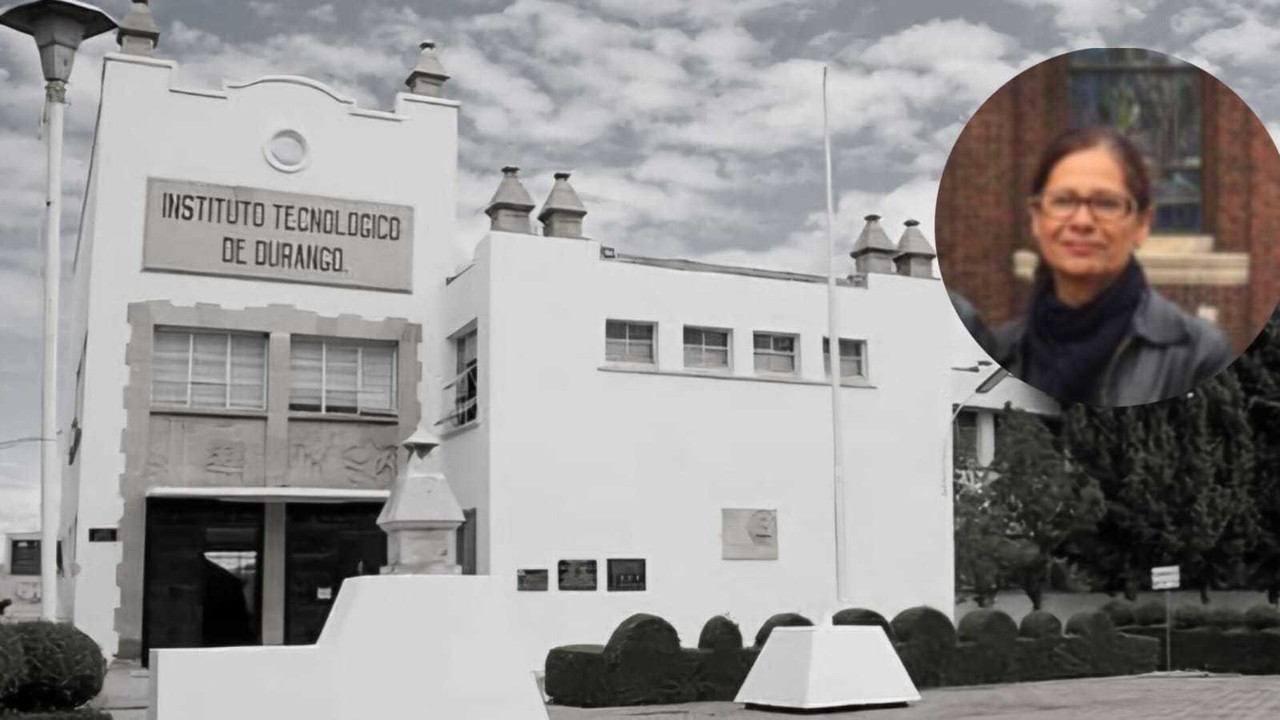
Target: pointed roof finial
[(563, 211), (915, 254), (428, 76), (873, 251), (138, 33), (509, 209)]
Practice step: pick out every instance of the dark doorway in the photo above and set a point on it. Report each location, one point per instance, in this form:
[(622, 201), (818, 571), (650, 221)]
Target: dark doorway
[(202, 580), (326, 543)]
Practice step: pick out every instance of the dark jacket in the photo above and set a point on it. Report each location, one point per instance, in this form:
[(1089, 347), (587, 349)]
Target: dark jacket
[(1166, 353)]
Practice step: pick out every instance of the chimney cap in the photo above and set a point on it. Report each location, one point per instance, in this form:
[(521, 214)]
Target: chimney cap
[(873, 239), (139, 23), (562, 199), (510, 193), (429, 75), (913, 241)]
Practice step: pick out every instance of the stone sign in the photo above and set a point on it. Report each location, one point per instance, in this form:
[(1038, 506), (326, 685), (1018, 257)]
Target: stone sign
[(749, 534), (245, 232)]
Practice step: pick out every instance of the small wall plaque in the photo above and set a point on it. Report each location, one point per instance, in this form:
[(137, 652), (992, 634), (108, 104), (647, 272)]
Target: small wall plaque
[(102, 535), (626, 575), (577, 574), (749, 534), (532, 580)]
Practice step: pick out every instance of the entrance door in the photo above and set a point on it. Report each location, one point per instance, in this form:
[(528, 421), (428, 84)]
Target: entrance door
[(326, 543), (202, 586)]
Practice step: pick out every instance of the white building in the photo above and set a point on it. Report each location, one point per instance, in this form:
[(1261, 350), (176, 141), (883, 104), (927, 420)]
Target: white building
[(268, 301)]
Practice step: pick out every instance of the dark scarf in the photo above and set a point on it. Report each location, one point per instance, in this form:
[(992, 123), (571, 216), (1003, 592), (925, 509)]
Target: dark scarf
[(1068, 349)]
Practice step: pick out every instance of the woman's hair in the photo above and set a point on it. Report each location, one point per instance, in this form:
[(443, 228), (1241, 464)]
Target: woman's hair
[(1136, 179)]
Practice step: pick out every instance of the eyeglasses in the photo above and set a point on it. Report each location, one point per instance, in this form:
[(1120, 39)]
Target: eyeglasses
[(1105, 207)]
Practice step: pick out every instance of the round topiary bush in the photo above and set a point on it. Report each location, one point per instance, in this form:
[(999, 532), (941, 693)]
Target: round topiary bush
[(924, 625), (1040, 624), (1261, 617), (642, 638), (1187, 617), (720, 634), (12, 662), (1224, 618), (64, 667), (1120, 612), (861, 616), (1095, 624), (1149, 613), (780, 620), (988, 627)]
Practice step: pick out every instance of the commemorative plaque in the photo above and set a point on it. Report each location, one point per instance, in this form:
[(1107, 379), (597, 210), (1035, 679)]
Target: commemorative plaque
[(577, 574), (626, 575), (532, 580)]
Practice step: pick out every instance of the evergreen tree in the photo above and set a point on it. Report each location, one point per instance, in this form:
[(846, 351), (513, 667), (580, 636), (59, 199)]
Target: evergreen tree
[(1047, 501), (1258, 372)]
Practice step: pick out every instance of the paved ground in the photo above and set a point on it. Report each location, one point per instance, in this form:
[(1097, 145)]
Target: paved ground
[(1145, 697), (1128, 698)]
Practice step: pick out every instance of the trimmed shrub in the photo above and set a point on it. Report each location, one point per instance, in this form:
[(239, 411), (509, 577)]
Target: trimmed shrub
[(1095, 624), (1120, 612), (1186, 617), (1224, 618), (645, 655), (64, 667), (578, 675), (927, 641), (1149, 613), (988, 627), (780, 620), (720, 633), (861, 616), (12, 662), (1261, 617), (1040, 624)]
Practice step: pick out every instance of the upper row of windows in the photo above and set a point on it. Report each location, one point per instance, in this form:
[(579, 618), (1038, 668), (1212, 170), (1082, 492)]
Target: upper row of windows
[(709, 349), (229, 371)]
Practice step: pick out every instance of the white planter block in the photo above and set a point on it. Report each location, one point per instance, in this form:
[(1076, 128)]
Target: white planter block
[(827, 666), (395, 647)]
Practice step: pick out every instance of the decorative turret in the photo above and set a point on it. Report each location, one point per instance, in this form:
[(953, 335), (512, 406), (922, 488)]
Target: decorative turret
[(421, 516), (915, 254), (562, 213), (874, 251), (509, 209), (428, 76), (138, 33)]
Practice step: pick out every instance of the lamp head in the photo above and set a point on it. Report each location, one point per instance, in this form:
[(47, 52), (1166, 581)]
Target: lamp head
[(58, 26)]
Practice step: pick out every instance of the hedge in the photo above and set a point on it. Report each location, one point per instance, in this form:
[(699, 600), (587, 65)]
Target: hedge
[(644, 664), (860, 616), (1218, 644), (82, 714), (63, 668), (13, 664)]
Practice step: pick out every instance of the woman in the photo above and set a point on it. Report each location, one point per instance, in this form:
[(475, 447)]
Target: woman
[(1095, 332)]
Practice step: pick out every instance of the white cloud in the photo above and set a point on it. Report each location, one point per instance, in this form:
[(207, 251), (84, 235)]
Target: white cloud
[(1077, 15), (1250, 41), (327, 14)]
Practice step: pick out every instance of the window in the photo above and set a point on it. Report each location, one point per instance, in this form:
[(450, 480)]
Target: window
[(775, 353), (466, 397), (333, 376), (225, 371), (853, 358), (628, 342), (965, 438), (706, 349), (1153, 99)]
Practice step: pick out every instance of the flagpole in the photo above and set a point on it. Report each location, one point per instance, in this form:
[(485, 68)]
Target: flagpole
[(833, 343)]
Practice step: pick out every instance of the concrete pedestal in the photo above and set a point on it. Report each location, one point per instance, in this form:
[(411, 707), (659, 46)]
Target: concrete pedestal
[(417, 647), (827, 667)]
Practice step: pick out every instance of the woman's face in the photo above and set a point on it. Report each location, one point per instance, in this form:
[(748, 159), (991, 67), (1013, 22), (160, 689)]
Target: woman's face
[(1081, 247)]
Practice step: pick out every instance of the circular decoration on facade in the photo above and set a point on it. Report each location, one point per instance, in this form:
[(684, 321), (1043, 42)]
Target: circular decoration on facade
[(286, 151)]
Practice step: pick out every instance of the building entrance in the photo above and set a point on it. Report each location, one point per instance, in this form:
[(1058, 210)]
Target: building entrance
[(221, 573)]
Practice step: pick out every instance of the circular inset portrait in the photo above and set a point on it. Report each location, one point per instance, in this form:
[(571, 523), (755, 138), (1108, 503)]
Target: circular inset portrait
[(1106, 226)]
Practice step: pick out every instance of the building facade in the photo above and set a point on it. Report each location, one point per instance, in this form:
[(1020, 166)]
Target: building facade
[(269, 300)]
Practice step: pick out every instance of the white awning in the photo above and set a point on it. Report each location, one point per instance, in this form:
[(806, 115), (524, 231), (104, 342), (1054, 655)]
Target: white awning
[(271, 494)]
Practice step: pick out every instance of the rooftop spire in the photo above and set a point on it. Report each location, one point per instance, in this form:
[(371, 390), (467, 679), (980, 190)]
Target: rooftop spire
[(428, 76), (138, 33), (874, 251), (509, 209), (562, 213), (915, 254)]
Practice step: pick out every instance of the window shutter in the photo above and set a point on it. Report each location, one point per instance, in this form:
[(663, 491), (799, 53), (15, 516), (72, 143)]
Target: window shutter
[(341, 378), (377, 382), (306, 376), (170, 354), (209, 370)]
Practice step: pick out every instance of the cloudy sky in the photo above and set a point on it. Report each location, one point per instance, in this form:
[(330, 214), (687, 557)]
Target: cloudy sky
[(693, 129)]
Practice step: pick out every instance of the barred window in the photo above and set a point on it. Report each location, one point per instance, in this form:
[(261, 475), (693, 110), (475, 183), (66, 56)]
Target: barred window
[(225, 371)]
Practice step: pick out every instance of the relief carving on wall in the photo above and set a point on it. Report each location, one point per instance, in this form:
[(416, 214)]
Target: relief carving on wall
[(349, 456), (195, 451)]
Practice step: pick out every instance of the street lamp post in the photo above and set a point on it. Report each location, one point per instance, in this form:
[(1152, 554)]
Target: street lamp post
[(58, 27)]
